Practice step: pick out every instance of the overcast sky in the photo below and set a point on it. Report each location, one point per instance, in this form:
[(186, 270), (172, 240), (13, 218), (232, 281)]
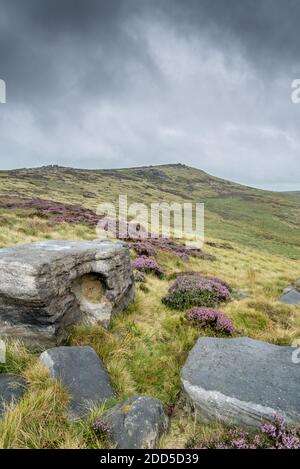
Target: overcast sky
[(120, 83)]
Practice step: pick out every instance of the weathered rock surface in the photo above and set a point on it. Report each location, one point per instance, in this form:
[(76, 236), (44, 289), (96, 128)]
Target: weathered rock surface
[(48, 286), (12, 389), (291, 296), (83, 374), (242, 381), (136, 423)]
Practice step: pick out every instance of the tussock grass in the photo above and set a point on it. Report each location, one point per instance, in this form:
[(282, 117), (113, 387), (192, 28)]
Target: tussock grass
[(146, 346), (18, 358), (39, 420)]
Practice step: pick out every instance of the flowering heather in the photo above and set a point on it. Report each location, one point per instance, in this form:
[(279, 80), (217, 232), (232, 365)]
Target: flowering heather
[(150, 246), (100, 427), (56, 212), (274, 435), (142, 242), (144, 248), (212, 319), (196, 290), (280, 435), (146, 264), (196, 274), (180, 250)]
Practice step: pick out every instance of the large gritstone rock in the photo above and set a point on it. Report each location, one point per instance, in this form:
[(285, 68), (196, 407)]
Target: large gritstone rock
[(242, 381), (12, 389), (137, 423), (83, 374), (48, 286)]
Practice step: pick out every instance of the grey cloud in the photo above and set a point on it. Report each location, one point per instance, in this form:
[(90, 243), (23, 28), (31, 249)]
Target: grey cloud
[(100, 83)]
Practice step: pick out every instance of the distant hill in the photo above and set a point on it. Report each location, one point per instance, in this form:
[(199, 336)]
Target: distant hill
[(297, 193), (262, 219)]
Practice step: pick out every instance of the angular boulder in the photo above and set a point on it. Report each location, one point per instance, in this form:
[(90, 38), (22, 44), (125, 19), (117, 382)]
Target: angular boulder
[(12, 389), (242, 381), (136, 423), (83, 374), (290, 296), (48, 286)]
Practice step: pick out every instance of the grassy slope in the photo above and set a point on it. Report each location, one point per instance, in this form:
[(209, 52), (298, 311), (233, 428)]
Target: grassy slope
[(265, 220), (146, 346)]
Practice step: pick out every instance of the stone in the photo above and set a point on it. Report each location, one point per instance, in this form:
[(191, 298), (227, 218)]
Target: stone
[(240, 294), (12, 389), (242, 381), (136, 423), (47, 287), (83, 374), (291, 296)]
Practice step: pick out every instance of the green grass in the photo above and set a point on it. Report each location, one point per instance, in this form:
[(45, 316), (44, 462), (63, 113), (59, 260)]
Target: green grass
[(146, 345), (266, 220)]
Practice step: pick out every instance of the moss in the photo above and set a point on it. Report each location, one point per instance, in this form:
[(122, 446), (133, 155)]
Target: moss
[(126, 408)]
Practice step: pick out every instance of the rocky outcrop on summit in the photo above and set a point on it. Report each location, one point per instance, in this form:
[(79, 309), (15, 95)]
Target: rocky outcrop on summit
[(48, 286), (242, 381)]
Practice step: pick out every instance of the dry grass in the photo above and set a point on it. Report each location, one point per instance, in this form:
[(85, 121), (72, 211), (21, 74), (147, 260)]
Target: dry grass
[(146, 345)]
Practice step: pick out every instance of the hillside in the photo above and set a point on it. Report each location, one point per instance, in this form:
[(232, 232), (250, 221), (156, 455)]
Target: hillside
[(266, 220), (255, 249)]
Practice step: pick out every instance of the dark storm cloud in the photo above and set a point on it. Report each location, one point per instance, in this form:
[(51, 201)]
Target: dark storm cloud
[(265, 30), (45, 44), (111, 83)]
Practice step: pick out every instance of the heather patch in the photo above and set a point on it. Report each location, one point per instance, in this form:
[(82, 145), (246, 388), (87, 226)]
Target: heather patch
[(150, 246), (100, 427), (56, 212), (143, 243), (144, 248), (196, 290), (274, 435), (147, 265), (207, 318)]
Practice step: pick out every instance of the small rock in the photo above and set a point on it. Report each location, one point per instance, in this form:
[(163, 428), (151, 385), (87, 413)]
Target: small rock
[(89, 195), (290, 297), (242, 381), (83, 374), (136, 423), (12, 389)]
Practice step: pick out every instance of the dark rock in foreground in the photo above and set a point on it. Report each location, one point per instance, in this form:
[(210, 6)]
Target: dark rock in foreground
[(12, 389), (48, 286), (242, 381), (136, 423), (83, 374)]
